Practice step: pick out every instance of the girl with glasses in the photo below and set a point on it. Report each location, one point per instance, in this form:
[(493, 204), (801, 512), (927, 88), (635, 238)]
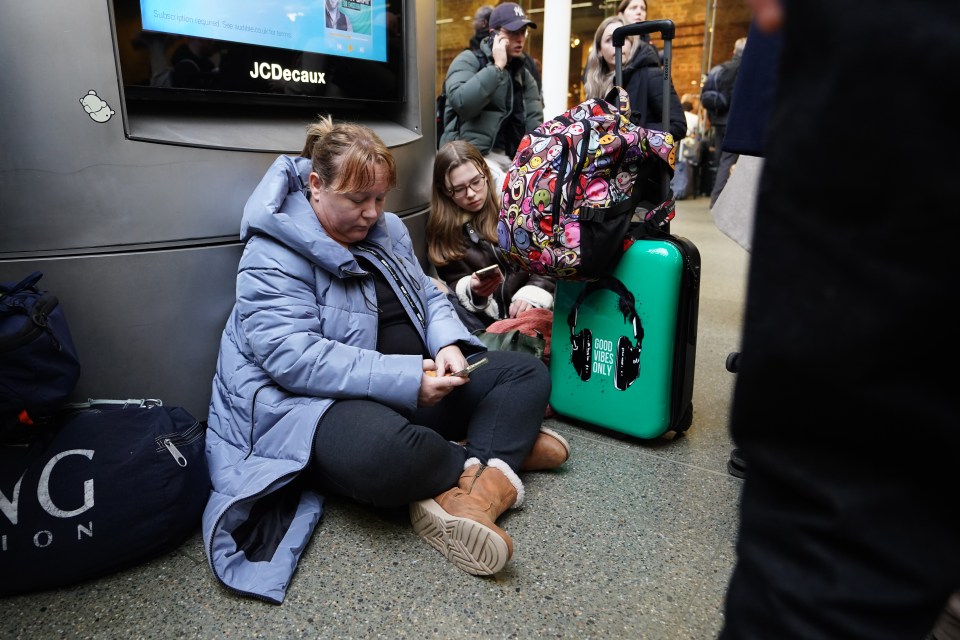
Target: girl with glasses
[(462, 239)]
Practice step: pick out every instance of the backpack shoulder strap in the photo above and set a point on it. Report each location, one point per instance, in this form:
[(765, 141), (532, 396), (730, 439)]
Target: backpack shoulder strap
[(481, 57), (443, 121)]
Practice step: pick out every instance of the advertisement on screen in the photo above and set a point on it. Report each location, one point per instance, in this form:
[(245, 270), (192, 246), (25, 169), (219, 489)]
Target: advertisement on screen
[(349, 28)]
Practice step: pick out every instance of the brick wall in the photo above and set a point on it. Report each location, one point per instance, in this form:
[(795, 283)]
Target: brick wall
[(732, 19)]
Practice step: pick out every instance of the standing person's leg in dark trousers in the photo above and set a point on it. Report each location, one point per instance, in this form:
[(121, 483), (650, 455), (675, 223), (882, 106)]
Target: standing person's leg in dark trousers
[(848, 427), (727, 161)]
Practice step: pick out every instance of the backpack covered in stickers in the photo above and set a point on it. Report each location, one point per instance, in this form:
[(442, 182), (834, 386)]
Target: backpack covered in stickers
[(579, 187)]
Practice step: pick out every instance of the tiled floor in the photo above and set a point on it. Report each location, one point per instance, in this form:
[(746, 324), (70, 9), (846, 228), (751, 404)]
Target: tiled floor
[(630, 539)]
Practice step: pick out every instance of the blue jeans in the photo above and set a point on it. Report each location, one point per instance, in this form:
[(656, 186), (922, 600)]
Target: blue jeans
[(375, 455)]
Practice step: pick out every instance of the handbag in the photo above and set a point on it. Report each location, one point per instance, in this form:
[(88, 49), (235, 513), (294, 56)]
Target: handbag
[(110, 484), (513, 340), (733, 212), (39, 367), (529, 332)]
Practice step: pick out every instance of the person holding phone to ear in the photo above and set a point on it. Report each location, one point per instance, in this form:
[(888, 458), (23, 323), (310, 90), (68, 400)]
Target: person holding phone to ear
[(494, 100), (462, 239)]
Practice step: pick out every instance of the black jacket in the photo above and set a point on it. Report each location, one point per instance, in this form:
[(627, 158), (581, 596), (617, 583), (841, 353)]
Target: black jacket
[(643, 80), (756, 82), (481, 253)]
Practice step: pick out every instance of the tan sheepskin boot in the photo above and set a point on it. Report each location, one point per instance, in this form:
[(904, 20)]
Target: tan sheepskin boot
[(550, 450), (460, 523)]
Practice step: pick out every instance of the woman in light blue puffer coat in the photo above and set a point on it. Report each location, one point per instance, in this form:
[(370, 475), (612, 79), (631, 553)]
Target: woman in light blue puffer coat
[(334, 371)]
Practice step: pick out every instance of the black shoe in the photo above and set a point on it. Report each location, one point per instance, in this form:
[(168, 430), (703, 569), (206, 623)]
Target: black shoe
[(733, 361), (736, 465)]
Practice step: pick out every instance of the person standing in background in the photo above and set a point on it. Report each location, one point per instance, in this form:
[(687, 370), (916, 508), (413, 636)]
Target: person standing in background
[(841, 410), (688, 153), (481, 29), (481, 25), (631, 11), (598, 75), (628, 11), (642, 79), (493, 106), (717, 98)]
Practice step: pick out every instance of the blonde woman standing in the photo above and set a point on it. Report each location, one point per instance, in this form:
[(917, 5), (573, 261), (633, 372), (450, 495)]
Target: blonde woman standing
[(642, 79)]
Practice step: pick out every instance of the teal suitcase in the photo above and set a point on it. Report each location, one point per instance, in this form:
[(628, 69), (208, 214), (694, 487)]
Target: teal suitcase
[(624, 347)]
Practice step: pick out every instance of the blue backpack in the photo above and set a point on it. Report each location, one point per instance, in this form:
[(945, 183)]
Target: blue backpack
[(718, 88)]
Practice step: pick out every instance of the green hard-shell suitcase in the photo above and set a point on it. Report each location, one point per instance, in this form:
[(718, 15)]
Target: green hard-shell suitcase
[(624, 347)]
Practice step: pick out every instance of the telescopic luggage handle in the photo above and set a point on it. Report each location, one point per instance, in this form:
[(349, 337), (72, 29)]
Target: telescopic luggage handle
[(666, 29)]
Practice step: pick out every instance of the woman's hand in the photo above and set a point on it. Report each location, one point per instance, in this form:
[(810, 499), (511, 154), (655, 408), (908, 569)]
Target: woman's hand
[(485, 288), (433, 387), (449, 360), (519, 306)]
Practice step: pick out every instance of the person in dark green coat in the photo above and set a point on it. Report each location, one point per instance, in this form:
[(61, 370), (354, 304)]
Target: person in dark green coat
[(493, 104)]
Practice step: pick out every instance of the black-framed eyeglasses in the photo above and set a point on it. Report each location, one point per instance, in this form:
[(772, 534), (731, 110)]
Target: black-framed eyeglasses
[(522, 33), (474, 185)]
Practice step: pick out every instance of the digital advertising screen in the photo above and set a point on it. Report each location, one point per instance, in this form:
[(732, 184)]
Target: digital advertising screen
[(350, 28), (246, 52)]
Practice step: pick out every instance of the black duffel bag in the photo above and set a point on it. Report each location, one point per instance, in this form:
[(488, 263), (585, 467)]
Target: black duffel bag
[(39, 367), (105, 485)]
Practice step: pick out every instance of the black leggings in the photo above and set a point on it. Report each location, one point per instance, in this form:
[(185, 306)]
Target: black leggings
[(375, 455)]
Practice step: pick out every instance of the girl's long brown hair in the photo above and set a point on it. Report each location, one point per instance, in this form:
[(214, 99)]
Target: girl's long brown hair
[(445, 241)]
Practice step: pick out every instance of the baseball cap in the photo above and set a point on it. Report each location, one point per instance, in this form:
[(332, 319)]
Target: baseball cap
[(509, 16)]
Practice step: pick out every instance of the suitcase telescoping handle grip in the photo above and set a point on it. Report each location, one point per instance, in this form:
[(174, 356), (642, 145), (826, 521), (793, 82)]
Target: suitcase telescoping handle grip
[(666, 29)]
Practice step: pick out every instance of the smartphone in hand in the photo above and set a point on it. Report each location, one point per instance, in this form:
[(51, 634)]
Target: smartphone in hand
[(465, 373), (487, 272)]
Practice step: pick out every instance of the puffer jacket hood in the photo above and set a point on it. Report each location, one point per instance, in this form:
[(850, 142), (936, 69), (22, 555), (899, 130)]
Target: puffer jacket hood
[(280, 209), (302, 332)]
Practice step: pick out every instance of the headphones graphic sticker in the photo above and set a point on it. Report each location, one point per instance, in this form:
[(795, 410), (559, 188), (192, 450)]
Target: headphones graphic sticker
[(627, 360)]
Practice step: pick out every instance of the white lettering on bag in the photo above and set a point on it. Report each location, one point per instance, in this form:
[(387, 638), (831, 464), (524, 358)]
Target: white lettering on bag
[(10, 506), (43, 489), (44, 538)]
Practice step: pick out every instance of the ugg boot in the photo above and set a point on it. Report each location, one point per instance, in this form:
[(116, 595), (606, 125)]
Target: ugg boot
[(460, 522), (550, 450)]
